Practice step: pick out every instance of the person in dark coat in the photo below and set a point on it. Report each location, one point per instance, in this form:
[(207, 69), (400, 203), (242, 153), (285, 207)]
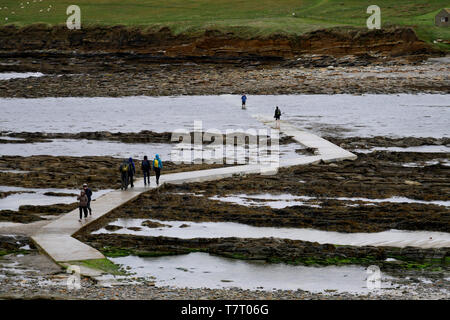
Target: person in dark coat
[(146, 167), (131, 171), (277, 117), (83, 201), (88, 193), (123, 169)]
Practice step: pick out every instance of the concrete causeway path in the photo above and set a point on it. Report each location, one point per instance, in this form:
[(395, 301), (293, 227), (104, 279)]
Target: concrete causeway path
[(55, 238), (327, 151)]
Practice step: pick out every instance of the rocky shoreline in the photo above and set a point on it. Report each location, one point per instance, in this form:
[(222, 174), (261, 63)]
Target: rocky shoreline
[(273, 250), (145, 136), (213, 79), (30, 276)]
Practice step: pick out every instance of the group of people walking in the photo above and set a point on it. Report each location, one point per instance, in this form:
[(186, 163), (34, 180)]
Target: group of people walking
[(128, 170)]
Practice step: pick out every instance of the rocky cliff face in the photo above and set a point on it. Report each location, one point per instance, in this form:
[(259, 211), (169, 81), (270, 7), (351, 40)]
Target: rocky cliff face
[(214, 44)]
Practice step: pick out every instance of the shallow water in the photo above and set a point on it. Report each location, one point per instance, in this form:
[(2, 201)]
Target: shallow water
[(80, 148), (36, 197), (395, 238), (423, 115), (273, 201), (15, 171), (17, 75), (280, 201), (11, 138), (444, 162), (201, 270), (419, 149), (83, 147)]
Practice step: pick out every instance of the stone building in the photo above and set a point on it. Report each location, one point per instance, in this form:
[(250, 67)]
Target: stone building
[(442, 18)]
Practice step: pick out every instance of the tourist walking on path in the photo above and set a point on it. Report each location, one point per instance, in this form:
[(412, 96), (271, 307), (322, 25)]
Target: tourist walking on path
[(244, 100), (277, 117), (88, 193), (123, 169), (157, 166), (131, 171), (146, 167), (83, 204)]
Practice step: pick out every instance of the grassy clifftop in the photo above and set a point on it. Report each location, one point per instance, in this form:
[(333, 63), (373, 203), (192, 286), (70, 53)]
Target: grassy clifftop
[(245, 17)]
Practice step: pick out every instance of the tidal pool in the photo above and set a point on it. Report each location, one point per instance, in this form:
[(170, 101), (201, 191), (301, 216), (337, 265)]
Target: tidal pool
[(18, 75), (418, 149), (280, 201), (83, 147), (190, 230), (201, 270), (36, 197)]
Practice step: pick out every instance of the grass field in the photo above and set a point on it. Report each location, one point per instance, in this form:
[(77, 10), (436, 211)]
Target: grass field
[(245, 17)]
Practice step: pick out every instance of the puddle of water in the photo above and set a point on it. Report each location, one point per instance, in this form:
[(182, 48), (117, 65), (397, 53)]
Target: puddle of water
[(396, 200), (395, 238), (201, 270), (14, 171), (80, 148), (282, 202), (423, 149), (444, 162), (279, 201), (37, 197), (17, 75), (11, 138)]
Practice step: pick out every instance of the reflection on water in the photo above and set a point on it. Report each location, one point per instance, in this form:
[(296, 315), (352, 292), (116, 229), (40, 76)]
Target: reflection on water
[(201, 270), (279, 201), (17, 75), (423, 115), (83, 147), (190, 230), (36, 197)]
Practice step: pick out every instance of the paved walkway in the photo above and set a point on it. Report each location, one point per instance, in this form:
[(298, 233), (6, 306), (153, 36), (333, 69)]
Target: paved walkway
[(55, 238)]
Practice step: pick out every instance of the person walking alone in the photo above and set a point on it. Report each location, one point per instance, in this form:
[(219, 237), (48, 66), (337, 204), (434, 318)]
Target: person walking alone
[(123, 169), (131, 171), (146, 167), (244, 100), (83, 202), (277, 117), (157, 166), (88, 193)]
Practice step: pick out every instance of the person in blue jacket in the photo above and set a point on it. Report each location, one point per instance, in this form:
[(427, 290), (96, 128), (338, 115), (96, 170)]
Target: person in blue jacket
[(244, 100), (157, 166), (131, 171)]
